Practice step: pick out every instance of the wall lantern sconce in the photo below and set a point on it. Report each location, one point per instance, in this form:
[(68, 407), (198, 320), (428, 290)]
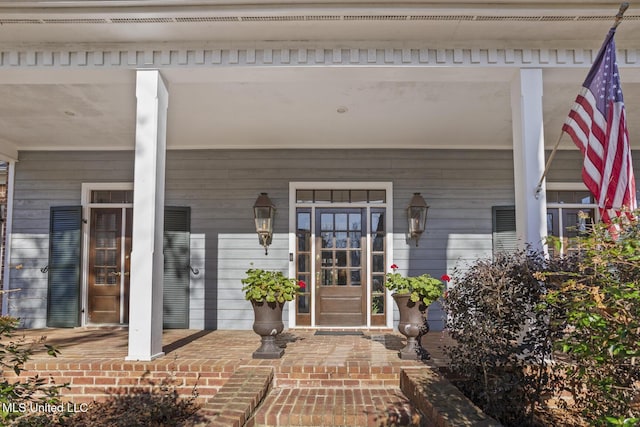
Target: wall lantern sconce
[(263, 212), (417, 216)]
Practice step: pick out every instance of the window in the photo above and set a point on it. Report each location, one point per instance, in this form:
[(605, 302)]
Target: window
[(341, 196), (569, 215), (112, 196), (378, 266)]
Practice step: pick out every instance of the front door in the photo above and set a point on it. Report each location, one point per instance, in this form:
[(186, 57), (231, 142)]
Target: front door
[(109, 265), (340, 267)]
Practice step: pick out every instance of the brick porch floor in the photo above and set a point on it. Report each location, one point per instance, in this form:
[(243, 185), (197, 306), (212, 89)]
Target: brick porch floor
[(320, 380)]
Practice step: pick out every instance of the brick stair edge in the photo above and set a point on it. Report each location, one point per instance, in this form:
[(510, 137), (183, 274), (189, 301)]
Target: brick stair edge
[(235, 403), (440, 402)]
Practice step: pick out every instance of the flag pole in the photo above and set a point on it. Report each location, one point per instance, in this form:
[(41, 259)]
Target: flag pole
[(618, 19), (623, 8)]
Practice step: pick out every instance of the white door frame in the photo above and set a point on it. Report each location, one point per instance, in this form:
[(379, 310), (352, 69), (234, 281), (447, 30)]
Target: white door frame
[(87, 188)]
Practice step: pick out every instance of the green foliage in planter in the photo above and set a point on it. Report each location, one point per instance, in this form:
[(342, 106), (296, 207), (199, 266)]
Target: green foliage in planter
[(422, 288), (17, 396), (267, 285), (502, 357), (599, 306)]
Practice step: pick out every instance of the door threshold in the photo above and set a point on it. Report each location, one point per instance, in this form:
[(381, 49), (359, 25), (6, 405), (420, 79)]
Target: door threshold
[(114, 326), (338, 333)]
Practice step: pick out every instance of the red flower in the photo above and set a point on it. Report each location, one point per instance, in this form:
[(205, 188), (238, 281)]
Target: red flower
[(446, 278), (302, 284), (394, 267)]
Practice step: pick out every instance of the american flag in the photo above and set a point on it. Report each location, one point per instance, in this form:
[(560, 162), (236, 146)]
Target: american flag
[(598, 126)]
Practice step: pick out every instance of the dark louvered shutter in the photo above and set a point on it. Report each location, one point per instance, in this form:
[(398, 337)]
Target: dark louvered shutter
[(63, 302), (504, 229), (177, 227)]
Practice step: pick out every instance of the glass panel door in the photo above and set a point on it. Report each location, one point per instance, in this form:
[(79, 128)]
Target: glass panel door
[(109, 253), (340, 267)]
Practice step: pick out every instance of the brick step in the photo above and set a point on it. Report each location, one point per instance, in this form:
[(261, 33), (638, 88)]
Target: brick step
[(440, 401), (339, 376), (237, 400), (97, 380), (315, 406)]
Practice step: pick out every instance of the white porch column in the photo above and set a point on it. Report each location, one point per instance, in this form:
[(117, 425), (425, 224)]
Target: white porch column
[(11, 178), (147, 260), (528, 158)]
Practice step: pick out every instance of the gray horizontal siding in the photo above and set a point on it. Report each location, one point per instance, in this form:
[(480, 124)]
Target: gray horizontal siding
[(42, 180), (221, 186), (566, 162)]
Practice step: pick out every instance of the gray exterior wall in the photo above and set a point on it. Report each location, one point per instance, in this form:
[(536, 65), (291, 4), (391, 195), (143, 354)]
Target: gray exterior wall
[(221, 186), (42, 180)]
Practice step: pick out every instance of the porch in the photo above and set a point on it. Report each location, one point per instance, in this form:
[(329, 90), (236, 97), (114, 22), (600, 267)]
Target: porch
[(350, 379)]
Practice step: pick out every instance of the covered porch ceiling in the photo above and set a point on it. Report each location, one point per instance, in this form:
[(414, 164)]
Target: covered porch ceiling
[(356, 106)]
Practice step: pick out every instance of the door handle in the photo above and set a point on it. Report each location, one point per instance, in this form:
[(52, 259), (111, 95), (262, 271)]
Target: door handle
[(115, 273)]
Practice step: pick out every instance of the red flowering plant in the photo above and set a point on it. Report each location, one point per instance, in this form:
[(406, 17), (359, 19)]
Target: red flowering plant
[(271, 286), (446, 279), (423, 288)]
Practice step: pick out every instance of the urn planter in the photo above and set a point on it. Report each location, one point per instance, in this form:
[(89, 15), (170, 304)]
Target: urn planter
[(268, 324), (412, 324), (268, 291)]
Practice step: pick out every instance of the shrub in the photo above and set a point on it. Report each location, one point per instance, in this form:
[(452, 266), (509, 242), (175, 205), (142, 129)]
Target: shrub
[(527, 327), (598, 309), (18, 396), (504, 343), (157, 405)]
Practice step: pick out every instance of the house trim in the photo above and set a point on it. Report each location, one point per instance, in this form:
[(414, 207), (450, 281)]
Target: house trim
[(304, 54)]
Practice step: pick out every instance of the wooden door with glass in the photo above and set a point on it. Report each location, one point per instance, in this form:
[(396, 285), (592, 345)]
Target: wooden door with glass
[(340, 267), (109, 265), (340, 255)]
